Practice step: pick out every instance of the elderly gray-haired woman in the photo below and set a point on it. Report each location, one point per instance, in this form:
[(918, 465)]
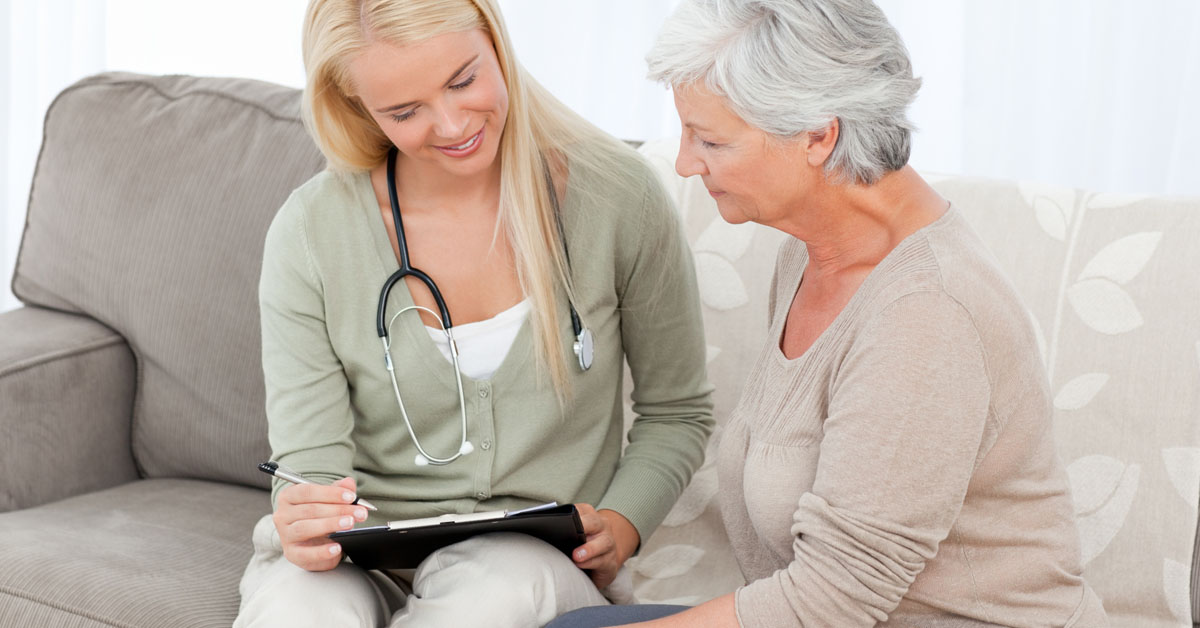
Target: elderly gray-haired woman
[(891, 460)]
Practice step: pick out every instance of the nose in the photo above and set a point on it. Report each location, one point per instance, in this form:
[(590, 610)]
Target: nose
[(450, 122), (687, 163)]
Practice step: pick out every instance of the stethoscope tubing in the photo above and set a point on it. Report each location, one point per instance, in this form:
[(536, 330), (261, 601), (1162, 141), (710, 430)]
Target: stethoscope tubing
[(463, 447), (583, 344), (406, 269)]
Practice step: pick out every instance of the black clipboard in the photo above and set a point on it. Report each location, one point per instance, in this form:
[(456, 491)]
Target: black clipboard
[(393, 547)]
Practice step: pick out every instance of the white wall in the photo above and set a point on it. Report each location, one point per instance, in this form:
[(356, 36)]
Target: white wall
[(1098, 94), (249, 38)]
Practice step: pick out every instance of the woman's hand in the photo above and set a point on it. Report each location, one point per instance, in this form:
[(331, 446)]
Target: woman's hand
[(305, 514), (611, 540)]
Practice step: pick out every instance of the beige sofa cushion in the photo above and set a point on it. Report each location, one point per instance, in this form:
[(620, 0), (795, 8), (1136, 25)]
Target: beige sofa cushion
[(1111, 284), (149, 206)]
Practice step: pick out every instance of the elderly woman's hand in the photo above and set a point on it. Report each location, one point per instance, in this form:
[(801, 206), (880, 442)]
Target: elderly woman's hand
[(611, 540)]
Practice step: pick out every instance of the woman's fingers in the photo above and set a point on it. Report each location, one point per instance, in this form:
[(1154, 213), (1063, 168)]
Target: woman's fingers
[(317, 494), (592, 522), (305, 530), (596, 551), (306, 514), (314, 556), (594, 526), (600, 555), (299, 512)]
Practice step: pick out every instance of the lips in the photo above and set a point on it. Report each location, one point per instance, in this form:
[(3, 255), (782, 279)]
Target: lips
[(713, 193), (463, 149)]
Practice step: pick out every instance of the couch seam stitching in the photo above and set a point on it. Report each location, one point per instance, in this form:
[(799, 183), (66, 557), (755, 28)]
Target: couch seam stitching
[(86, 83), (193, 92), (55, 356)]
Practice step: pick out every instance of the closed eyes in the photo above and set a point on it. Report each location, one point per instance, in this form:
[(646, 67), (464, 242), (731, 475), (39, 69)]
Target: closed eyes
[(405, 115)]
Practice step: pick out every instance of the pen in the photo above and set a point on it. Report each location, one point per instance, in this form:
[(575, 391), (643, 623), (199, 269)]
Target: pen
[(284, 473)]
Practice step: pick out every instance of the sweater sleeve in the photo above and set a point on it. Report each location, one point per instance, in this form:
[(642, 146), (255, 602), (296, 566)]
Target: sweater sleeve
[(907, 413), (307, 395), (663, 338)]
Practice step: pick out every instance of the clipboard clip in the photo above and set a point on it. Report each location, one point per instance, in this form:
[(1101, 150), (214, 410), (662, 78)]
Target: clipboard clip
[(453, 518)]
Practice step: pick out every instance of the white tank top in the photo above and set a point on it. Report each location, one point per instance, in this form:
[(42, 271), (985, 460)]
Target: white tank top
[(482, 345)]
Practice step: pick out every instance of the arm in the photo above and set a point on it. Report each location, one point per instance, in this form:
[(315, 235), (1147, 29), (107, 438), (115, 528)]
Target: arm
[(663, 339), (308, 399), (67, 384), (904, 431), (907, 414)]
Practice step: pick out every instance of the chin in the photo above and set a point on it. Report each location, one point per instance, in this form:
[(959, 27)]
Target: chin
[(473, 165), (732, 215)]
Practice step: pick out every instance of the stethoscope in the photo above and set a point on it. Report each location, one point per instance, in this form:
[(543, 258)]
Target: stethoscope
[(583, 346)]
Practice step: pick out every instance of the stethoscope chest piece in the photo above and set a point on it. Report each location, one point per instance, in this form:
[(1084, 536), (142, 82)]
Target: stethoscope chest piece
[(584, 344), (584, 348)]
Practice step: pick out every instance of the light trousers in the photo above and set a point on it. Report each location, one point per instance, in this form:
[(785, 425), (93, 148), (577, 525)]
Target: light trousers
[(501, 580)]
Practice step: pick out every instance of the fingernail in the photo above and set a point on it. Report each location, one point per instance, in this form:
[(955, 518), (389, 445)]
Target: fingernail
[(348, 497), (360, 514), (335, 549), (581, 554), (346, 522)]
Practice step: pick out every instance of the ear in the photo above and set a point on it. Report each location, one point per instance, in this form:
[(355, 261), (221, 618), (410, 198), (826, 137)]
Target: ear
[(821, 143)]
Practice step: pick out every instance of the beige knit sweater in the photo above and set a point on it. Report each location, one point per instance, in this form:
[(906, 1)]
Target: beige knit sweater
[(903, 471)]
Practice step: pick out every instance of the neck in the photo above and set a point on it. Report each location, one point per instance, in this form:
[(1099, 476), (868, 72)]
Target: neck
[(422, 188), (853, 227)]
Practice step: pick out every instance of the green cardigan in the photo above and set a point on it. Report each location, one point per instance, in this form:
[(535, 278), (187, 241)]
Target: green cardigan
[(332, 412)]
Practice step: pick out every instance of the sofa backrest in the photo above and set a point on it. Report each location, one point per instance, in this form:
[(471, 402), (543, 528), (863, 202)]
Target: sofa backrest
[(152, 196), (149, 206), (1111, 285)]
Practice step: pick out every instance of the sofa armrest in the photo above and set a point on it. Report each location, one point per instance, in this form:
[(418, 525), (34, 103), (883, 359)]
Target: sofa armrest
[(66, 385)]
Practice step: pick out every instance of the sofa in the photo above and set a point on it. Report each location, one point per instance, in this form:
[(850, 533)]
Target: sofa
[(131, 395)]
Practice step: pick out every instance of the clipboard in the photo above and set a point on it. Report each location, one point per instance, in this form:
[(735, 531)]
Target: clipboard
[(404, 544)]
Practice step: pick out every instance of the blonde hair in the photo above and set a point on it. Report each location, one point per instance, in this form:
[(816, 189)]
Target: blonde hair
[(538, 128)]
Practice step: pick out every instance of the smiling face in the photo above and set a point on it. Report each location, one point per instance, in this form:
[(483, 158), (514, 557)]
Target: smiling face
[(752, 176), (441, 101)]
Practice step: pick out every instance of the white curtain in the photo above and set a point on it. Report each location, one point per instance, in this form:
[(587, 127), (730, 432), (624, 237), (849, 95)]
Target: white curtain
[(45, 45), (1098, 94), (591, 54)]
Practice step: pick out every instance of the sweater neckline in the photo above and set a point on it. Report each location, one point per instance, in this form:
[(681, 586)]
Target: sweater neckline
[(413, 331), (869, 286)]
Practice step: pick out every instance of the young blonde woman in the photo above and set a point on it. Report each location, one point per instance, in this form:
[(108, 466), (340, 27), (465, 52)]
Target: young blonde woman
[(539, 255)]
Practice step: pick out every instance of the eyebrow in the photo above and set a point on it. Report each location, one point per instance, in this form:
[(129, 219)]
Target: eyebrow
[(696, 127), (444, 85)]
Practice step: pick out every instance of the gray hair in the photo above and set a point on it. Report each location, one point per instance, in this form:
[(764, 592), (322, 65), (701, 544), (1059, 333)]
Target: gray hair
[(792, 66)]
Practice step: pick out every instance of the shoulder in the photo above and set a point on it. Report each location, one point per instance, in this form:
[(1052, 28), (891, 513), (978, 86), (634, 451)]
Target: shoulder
[(611, 172), (613, 189), (311, 213), (324, 189), (321, 199), (945, 281), (968, 273)]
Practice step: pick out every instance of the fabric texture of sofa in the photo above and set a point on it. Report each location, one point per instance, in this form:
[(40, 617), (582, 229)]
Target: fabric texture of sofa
[(131, 403)]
